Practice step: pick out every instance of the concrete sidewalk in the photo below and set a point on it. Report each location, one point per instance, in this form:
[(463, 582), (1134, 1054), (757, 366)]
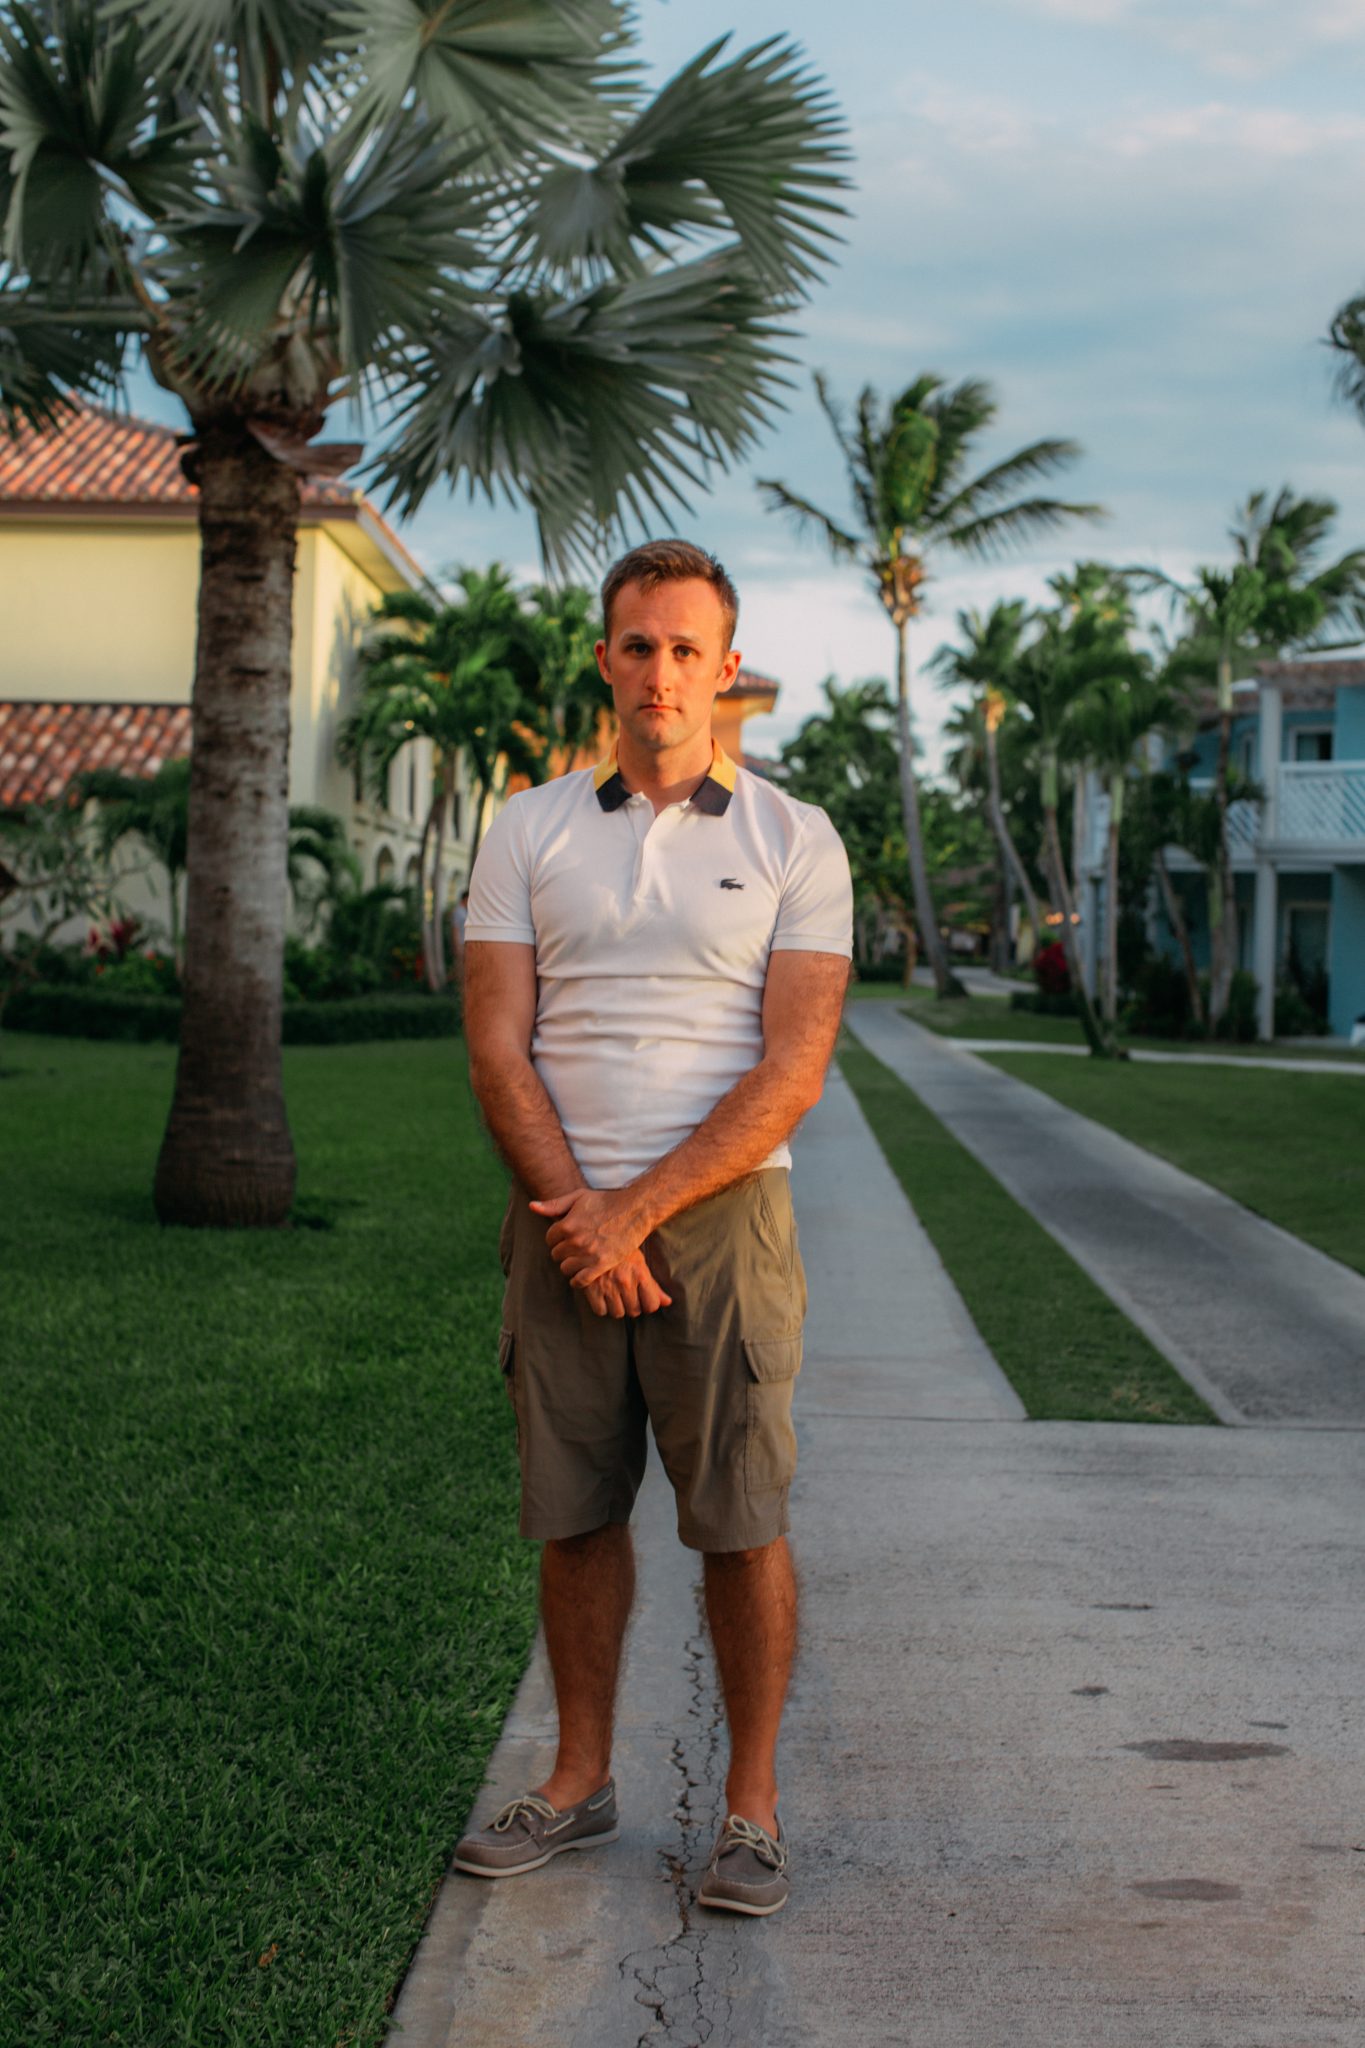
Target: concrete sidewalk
[(1260, 1062), (1072, 1757), (1264, 1326)]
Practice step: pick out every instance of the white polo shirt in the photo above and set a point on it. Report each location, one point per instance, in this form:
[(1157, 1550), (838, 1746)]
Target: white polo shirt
[(652, 938)]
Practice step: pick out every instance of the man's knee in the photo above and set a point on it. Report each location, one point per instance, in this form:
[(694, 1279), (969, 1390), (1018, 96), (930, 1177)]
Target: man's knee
[(723, 1562)]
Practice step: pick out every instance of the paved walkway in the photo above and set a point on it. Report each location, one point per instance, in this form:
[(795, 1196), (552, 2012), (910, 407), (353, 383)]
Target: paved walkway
[(1287, 1065), (1071, 1756), (1267, 1329)]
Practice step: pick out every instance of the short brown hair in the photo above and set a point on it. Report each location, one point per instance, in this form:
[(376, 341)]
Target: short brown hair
[(670, 561)]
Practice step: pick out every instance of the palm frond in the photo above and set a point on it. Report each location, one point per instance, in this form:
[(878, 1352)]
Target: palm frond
[(985, 536), (1039, 459), (186, 40), (842, 544), (602, 407), (43, 359), (509, 81)]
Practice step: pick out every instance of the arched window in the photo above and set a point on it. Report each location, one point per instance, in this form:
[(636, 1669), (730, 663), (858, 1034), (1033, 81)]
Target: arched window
[(412, 873), (383, 866)]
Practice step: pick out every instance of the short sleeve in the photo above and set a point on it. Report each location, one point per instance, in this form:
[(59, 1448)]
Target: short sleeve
[(500, 886), (815, 913)]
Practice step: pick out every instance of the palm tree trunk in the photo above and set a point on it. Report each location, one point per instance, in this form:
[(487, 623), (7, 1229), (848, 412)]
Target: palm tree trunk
[(1175, 918), (1098, 1036), (227, 1157), (945, 981), (437, 970), (1223, 897), (1004, 837), (1111, 902), (177, 945)]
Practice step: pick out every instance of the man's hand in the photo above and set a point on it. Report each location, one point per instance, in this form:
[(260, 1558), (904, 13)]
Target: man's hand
[(595, 1229), (630, 1289)]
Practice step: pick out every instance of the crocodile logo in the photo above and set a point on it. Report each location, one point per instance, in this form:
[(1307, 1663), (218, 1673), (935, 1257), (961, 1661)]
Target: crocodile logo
[(729, 882)]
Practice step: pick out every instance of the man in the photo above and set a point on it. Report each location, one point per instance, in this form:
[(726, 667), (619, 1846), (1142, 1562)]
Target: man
[(655, 963)]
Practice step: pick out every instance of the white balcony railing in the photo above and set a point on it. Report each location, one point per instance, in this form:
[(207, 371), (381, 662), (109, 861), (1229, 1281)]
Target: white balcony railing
[(1321, 802)]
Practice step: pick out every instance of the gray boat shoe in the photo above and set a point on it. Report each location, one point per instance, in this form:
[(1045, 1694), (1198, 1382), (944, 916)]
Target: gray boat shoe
[(748, 1869), (529, 1831)]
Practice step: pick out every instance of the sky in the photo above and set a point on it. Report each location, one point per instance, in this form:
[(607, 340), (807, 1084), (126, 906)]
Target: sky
[(1133, 218)]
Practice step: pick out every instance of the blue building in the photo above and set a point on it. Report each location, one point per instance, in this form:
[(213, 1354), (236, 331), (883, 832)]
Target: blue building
[(1298, 851)]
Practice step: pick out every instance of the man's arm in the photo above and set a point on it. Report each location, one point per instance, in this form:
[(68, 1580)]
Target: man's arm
[(803, 1000), (499, 1015)]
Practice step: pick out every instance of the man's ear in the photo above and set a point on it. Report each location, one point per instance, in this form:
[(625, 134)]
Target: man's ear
[(729, 669), (600, 650)]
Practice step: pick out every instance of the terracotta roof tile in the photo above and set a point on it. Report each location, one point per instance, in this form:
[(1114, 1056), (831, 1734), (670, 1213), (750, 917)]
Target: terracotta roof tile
[(101, 457), (43, 745)]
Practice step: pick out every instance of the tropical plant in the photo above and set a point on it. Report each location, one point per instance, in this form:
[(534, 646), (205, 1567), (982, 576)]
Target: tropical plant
[(1118, 711), (320, 862), (50, 871), (1074, 646), (462, 676), (905, 465), (989, 647), (565, 627), (466, 211), (151, 808), (844, 758)]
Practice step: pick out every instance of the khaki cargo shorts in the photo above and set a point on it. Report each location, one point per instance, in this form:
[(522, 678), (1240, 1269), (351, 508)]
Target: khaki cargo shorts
[(712, 1374)]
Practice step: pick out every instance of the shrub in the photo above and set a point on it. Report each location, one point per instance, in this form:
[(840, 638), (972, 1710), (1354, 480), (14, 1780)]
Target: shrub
[(1295, 1016), (322, 974), (1238, 1021), (1161, 1000), (69, 1012), (138, 974), (1051, 970)]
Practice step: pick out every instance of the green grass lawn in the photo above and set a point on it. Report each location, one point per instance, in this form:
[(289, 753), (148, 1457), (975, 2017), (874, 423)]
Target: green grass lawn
[(266, 1604), (971, 1017), (1290, 1146), (1069, 1352)]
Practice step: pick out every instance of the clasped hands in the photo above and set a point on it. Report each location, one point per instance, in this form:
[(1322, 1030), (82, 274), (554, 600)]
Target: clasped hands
[(595, 1240)]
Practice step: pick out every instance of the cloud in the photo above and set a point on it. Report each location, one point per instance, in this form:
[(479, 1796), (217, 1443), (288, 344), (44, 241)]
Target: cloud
[(1236, 38)]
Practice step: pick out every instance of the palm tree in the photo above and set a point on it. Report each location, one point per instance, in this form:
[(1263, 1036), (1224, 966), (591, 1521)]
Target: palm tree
[(467, 216), (462, 676), (990, 646), (565, 627), (1276, 596), (1074, 648), (905, 464), (1108, 724)]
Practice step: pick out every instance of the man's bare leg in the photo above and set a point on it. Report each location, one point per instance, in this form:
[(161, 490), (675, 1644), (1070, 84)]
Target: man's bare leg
[(751, 1608), (587, 1584)]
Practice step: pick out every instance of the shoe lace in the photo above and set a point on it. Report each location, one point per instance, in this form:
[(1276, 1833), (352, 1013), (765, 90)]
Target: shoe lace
[(529, 1807), (747, 1834)]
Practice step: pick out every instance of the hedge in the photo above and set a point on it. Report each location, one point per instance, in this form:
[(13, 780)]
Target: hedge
[(89, 1013)]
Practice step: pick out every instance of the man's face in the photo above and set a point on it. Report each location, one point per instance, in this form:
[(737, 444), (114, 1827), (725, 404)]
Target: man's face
[(666, 661)]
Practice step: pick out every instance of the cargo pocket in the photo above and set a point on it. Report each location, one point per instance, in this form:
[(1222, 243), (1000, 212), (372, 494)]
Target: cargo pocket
[(770, 1439)]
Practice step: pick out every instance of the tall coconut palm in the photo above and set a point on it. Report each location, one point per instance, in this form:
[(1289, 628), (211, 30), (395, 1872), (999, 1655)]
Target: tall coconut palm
[(906, 464), (989, 647), (462, 676), (565, 626), (1074, 647), (464, 215), (1119, 709)]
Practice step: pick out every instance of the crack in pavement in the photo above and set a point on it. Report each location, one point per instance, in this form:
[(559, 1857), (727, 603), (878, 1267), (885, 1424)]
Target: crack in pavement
[(670, 1979)]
